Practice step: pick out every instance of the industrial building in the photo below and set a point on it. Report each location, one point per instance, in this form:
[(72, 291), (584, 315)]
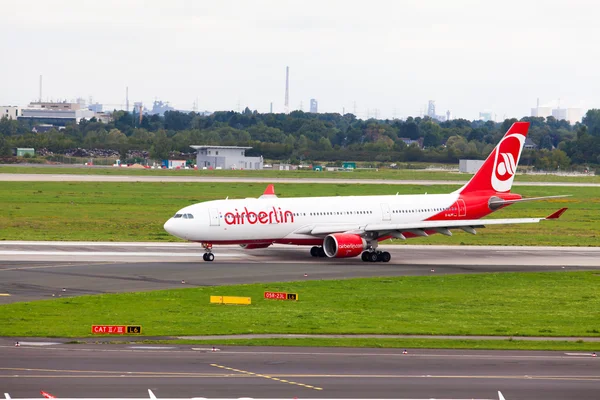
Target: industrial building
[(226, 157), (57, 114)]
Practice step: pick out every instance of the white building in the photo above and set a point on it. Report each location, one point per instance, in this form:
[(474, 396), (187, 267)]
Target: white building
[(226, 157), (58, 114), (541, 112), (559, 113), (469, 166), (10, 112), (574, 115)]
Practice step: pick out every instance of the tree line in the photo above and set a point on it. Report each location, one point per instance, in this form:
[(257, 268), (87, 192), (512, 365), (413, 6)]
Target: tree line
[(303, 137)]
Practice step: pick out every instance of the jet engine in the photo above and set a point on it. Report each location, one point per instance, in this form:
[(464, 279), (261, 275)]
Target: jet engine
[(342, 245), (252, 246)]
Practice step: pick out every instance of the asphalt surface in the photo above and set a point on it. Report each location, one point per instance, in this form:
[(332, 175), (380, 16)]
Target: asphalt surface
[(188, 371), (32, 270), (171, 178), (41, 270)]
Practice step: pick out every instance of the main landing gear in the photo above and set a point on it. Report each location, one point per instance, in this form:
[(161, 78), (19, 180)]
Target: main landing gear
[(317, 251), (375, 256), (208, 255)]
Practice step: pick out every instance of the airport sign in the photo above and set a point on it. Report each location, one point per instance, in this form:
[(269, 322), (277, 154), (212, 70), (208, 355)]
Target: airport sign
[(281, 296)]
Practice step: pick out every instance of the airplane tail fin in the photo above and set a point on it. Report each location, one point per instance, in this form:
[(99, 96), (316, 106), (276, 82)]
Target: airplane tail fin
[(498, 170)]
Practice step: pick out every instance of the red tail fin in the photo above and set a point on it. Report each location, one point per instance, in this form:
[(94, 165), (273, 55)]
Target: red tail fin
[(498, 171)]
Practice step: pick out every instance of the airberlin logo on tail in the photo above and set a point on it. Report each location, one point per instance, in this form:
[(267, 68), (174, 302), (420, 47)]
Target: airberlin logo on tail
[(506, 160), (274, 216)]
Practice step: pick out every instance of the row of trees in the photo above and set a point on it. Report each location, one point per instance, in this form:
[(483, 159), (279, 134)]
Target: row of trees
[(300, 136)]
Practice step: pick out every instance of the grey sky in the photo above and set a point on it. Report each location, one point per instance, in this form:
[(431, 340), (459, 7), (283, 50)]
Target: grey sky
[(392, 56)]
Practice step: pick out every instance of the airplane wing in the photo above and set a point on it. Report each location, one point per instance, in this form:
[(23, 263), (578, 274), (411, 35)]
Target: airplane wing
[(419, 228)]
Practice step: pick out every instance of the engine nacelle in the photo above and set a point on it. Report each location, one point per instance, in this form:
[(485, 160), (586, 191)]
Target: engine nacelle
[(342, 245), (252, 246)]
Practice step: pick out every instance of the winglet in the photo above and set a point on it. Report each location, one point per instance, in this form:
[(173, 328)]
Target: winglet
[(46, 395), (7, 396), (500, 397), (151, 393), (556, 214), (269, 192)]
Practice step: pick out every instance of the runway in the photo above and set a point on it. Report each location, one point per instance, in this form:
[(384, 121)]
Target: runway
[(41, 270), (189, 371), (213, 179)]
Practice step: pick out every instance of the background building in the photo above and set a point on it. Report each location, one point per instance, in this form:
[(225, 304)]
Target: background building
[(10, 112), (57, 114), (486, 116), (314, 106), (226, 157), (469, 166)]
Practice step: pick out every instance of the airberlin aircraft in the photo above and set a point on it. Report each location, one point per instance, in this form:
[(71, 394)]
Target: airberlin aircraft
[(351, 226)]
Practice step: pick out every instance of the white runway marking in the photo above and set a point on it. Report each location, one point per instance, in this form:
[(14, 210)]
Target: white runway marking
[(39, 343), (106, 253)]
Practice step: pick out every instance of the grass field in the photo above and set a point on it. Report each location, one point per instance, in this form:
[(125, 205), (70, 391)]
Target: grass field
[(391, 174), (106, 211), (513, 304)]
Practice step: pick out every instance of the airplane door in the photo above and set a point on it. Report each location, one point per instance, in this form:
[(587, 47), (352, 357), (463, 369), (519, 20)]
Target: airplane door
[(214, 217), (462, 208), (385, 212)]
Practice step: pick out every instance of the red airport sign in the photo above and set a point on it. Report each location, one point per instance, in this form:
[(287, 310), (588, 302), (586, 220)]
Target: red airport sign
[(116, 329), (281, 296)]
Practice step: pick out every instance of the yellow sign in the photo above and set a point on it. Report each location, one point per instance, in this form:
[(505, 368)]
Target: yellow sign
[(230, 300)]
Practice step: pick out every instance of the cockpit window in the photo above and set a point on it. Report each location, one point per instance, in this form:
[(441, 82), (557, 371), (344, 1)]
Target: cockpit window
[(177, 216), (185, 216), (190, 216)]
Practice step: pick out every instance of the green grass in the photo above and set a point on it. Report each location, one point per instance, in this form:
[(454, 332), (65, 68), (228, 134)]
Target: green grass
[(408, 343), (511, 304), (108, 211), (391, 174)]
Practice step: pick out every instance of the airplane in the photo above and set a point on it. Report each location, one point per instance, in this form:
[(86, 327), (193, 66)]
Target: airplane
[(153, 397), (351, 226)]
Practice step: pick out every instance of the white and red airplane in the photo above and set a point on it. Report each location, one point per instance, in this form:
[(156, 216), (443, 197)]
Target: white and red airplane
[(349, 226)]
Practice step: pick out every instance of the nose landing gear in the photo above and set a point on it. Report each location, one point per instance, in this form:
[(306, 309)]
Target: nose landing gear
[(208, 255)]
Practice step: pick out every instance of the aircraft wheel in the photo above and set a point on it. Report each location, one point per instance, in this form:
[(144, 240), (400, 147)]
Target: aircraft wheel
[(314, 251), (209, 257), (364, 256), (373, 257), (204, 256), (386, 257)]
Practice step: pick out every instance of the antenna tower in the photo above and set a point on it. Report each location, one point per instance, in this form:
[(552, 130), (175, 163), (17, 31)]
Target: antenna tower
[(287, 90)]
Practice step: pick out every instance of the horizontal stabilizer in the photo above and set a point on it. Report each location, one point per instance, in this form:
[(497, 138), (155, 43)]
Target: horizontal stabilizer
[(557, 214), (497, 202)]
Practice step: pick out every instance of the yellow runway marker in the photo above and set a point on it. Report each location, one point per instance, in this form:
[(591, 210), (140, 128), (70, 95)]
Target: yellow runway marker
[(4, 294), (247, 373)]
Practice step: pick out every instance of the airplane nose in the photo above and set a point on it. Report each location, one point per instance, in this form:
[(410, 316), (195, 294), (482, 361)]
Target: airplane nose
[(169, 226)]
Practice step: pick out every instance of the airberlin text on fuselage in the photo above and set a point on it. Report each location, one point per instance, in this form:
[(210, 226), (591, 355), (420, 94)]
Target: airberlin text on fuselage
[(274, 216)]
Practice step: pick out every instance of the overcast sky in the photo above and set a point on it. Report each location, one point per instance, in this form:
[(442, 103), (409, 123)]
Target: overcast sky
[(389, 56)]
